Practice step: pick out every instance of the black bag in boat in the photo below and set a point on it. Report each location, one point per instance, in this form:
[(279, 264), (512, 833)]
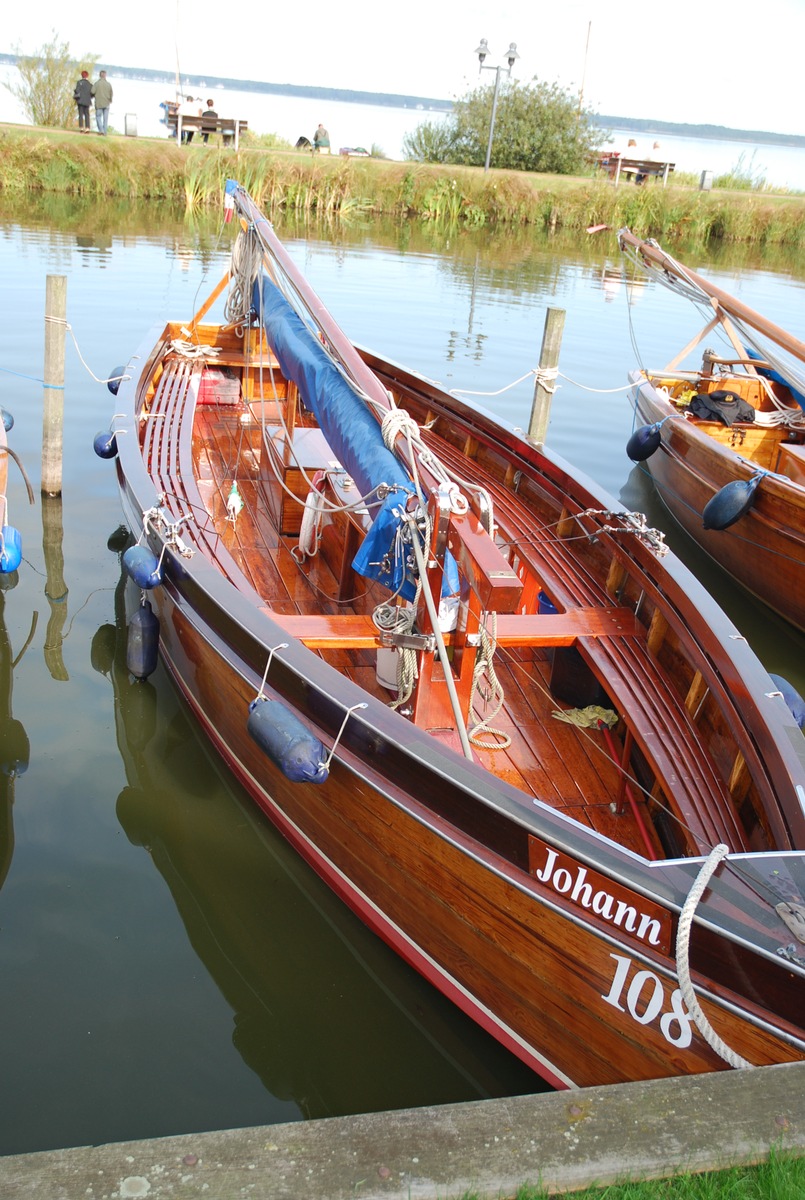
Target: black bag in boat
[(727, 407)]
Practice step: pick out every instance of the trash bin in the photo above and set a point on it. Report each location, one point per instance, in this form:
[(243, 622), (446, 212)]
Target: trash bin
[(131, 125), (706, 181)]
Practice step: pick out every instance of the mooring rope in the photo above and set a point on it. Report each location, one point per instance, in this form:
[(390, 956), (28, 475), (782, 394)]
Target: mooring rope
[(714, 858)]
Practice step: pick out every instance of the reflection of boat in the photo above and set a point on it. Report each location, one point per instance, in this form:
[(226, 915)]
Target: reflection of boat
[(322, 1012), (608, 901), (731, 471)]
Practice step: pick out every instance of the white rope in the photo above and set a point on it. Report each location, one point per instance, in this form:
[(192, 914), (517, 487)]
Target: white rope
[(193, 351), (394, 618), (500, 391), (716, 856), (491, 693), (112, 379)]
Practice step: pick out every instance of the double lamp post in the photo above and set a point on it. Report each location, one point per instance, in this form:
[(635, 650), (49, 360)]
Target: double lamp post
[(511, 58)]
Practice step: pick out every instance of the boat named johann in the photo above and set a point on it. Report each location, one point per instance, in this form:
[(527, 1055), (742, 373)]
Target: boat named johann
[(514, 735)]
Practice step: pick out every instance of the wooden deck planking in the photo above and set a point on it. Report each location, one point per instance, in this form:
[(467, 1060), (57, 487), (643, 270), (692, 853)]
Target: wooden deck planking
[(536, 764)]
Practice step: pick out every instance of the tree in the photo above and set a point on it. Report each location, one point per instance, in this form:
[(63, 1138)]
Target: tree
[(538, 127), (47, 79)]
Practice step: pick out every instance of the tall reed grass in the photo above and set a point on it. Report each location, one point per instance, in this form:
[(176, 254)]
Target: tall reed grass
[(294, 182)]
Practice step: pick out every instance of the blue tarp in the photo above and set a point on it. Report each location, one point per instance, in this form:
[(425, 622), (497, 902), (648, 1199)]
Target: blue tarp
[(353, 433)]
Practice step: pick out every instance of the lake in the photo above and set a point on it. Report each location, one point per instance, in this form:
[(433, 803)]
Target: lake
[(371, 125), (167, 964)]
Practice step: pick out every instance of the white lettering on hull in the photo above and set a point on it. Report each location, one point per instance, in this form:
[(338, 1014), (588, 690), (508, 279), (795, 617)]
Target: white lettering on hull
[(574, 882)]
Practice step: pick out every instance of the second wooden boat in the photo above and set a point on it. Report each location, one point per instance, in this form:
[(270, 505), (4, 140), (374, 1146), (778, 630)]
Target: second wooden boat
[(725, 440)]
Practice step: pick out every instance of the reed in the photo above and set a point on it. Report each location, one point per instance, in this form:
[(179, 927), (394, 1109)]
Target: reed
[(283, 180)]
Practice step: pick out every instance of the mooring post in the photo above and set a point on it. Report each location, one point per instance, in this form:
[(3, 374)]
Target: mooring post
[(548, 362), (53, 404)]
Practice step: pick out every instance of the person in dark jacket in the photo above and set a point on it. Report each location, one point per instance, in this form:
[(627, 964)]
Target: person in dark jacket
[(82, 94)]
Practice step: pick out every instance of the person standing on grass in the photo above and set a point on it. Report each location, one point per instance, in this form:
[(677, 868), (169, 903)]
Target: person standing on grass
[(82, 94), (102, 91)]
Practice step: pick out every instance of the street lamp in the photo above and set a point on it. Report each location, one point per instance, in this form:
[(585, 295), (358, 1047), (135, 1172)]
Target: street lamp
[(511, 57)]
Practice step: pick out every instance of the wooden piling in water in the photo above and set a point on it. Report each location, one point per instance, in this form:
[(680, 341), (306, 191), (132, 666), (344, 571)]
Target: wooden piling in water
[(53, 401), (548, 362)]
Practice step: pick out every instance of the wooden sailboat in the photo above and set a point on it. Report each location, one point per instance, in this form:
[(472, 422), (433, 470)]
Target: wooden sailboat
[(725, 440), (515, 736)]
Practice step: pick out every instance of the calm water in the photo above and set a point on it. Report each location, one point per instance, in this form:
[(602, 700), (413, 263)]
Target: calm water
[(371, 125), (166, 964)]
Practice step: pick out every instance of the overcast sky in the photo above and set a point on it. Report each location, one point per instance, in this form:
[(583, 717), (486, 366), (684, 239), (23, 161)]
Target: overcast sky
[(697, 61)]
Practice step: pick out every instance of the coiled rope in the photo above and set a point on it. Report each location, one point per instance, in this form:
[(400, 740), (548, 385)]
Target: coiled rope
[(491, 691), (714, 858)]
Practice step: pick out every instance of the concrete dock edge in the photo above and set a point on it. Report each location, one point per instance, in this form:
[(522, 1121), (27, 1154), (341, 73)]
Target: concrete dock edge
[(563, 1141)]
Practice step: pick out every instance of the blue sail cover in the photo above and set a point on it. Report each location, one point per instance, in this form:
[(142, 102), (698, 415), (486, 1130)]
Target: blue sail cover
[(354, 435)]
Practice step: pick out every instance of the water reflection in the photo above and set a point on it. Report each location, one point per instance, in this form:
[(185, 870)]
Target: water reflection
[(55, 587), (15, 749), (324, 1014)]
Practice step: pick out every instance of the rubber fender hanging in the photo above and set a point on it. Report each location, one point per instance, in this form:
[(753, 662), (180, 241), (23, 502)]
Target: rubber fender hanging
[(287, 742), (730, 503), (105, 444), (8, 420), (796, 705), (643, 442), (10, 549), (142, 647), (142, 566), (114, 379)]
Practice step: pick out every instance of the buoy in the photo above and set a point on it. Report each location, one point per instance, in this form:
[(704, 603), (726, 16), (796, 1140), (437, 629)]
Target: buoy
[(142, 566), (115, 380), (644, 441), (142, 648), (8, 420), (105, 444), (10, 549), (287, 742), (796, 705), (730, 503)]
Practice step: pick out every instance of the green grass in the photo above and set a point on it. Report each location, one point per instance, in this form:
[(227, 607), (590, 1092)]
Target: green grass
[(282, 180), (782, 1177)]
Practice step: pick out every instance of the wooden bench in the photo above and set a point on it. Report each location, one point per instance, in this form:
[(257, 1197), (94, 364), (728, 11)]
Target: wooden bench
[(616, 165), (229, 127)]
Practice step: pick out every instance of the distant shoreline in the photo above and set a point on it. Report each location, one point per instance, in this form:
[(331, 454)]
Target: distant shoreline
[(432, 104)]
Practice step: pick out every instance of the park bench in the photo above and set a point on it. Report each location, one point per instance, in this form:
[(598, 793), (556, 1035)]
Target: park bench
[(617, 165), (230, 127)]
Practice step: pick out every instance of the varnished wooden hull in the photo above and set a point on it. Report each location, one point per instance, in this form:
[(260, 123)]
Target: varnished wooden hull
[(765, 549), (520, 960)]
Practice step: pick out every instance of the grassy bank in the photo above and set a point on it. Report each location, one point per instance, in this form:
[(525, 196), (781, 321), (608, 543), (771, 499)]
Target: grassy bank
[(56, 161), (782, 1177)]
